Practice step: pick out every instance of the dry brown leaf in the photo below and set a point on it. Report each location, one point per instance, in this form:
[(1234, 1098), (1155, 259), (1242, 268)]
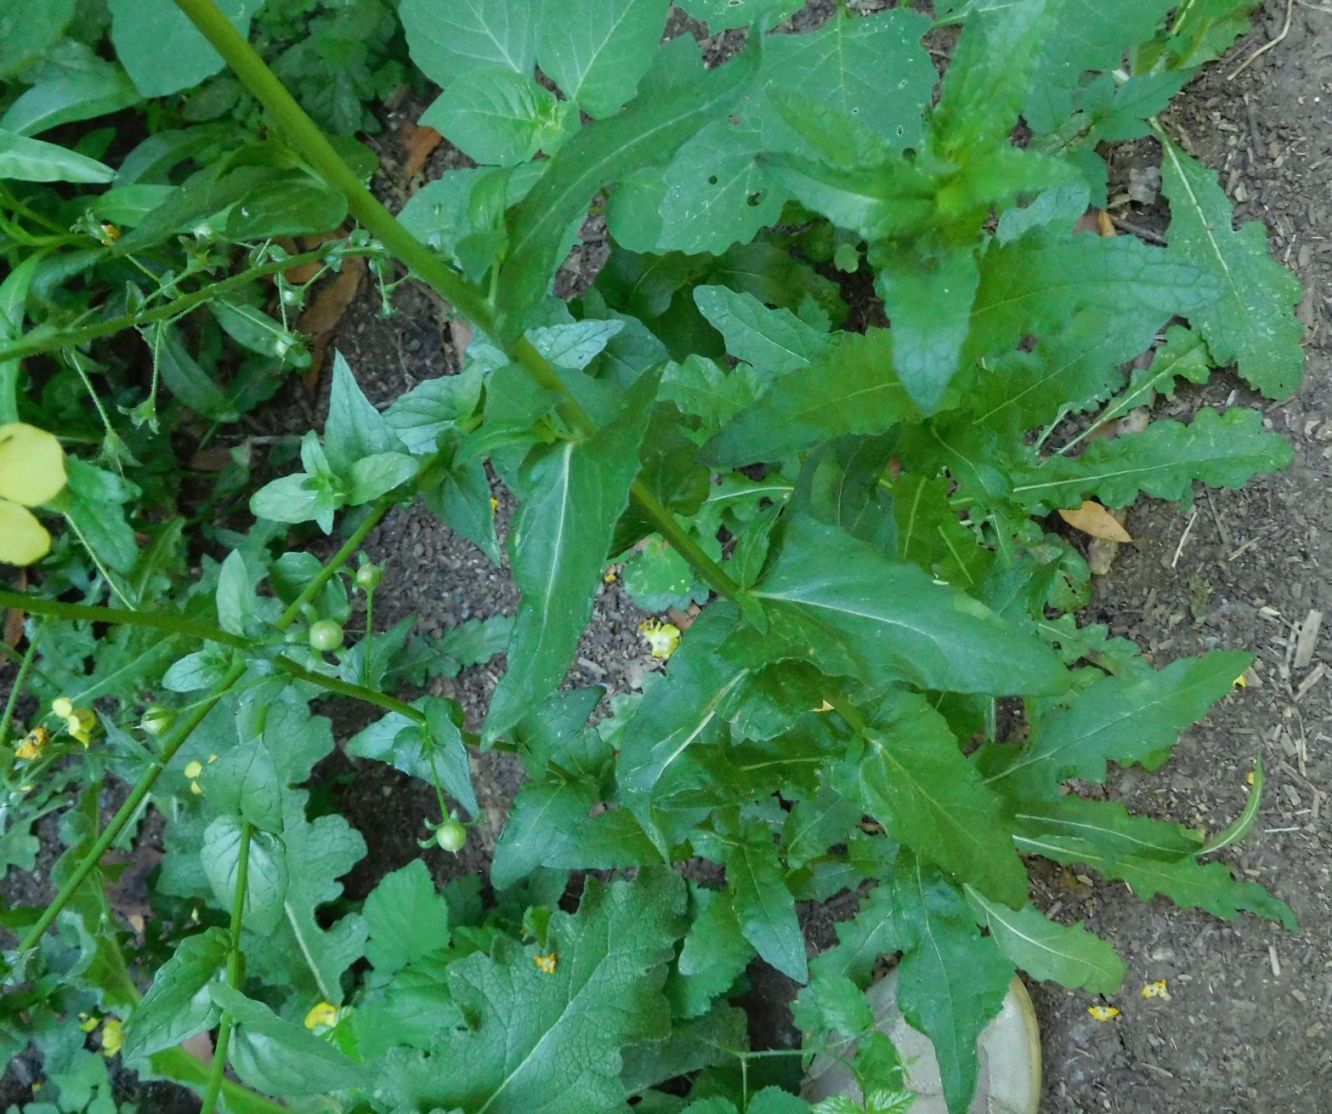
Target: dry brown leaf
[(299, 276), (1094, 519), (321, 318), (418, 142), (14, 617), (1104, 225)]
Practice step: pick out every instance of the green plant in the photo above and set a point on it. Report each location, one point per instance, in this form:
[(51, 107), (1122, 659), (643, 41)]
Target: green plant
[(831, 379)]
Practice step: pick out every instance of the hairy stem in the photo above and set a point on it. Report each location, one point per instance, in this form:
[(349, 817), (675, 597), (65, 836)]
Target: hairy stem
[(174, 741), (35, 343), (234, 959), (185, 727), (15, 691), (466, 297)]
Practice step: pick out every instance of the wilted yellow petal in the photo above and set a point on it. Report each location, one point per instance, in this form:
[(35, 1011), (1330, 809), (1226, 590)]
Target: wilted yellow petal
[(547, 964), (23, 539), (1103, 1013), (32, 464), (662, 638), (113, 1036), (322, 1015)]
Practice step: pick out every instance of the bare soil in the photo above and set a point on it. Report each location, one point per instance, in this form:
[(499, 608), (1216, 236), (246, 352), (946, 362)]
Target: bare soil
[(1245, 1028)]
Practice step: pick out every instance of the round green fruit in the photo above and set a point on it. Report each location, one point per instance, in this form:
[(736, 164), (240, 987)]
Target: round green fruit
[(325, 635)]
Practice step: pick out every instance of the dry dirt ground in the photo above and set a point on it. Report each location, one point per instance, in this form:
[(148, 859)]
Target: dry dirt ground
[(1246, 1028)]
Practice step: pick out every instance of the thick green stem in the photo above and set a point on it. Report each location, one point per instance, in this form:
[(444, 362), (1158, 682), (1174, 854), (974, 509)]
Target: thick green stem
[(36, 343), (255, 75), (180, 1067), (340, 558), (466, 297), (174, 741), (171, 624), (15, 691), (234, 963), (56, 610)]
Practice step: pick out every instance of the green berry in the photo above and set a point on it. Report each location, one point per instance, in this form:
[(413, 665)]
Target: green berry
[(369, 576), (156, 719), (325, 635), (450, 835)]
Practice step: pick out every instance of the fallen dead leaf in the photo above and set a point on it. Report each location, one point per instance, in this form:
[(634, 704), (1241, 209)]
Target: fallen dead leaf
[(684, 619), (1104, 225), (321, 317), (14, 617), (418, 142), (1094, 519)]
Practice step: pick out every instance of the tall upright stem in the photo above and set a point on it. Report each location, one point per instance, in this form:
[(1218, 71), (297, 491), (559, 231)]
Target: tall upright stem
[(467, 297)]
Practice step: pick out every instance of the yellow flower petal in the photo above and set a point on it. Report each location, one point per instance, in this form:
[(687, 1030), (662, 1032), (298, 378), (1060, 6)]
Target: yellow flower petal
[(113, 1036), (32, 744), (193, 769), (23, 540), (1103, 1013), (546, 964), (322, 1015), (62, 706), (89, 1022), (662, 638), (32, 464), (1156, 989)]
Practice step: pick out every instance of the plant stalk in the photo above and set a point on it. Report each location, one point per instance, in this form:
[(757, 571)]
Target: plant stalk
[(233, 969), (36, 343), (57, 610), (175, 740), (466, 297)]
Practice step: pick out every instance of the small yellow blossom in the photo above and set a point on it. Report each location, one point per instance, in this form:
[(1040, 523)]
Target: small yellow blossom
[(1241, 682), (1103, 1013), (80, 724), (1156, 990), (1249, 777), (662, 638), (109, 234), (88, 1022), (193, 769), (32, 744), (611, 575), (323, 1015), (113, 1036), (546, 964), (62, 706)]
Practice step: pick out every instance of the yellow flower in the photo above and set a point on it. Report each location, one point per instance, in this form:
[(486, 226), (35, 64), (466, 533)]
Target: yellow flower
[(81, 724), (1156, 990), (1241, 682), (611, 575), (32, 472), (322, 1015), (546, 964), (88, 1022), (32, 744), (62, 706), (662, 638), (113, 1036), (193, 769), (1103, 1013)]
